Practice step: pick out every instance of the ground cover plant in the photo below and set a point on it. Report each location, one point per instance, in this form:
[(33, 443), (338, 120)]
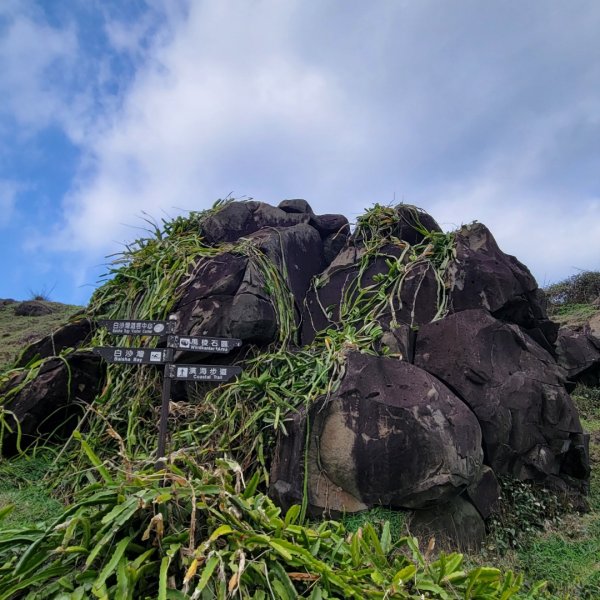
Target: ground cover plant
[(203, 527)]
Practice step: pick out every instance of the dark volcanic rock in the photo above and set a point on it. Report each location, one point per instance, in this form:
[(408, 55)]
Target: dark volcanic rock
[(579, 354), (454, 524), (392, 434), (52, 402), (412, 221), (482, 276), (32, 308), (419, 291), (228, 295), (296, 206), (484, 493), (240, 219), (71, 335), (530, 426)]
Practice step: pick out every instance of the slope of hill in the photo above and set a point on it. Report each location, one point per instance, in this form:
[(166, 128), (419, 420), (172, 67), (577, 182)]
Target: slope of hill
[(17, 331)]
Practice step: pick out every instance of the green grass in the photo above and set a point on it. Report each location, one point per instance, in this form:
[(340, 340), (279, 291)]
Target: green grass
[(22, 486), (17, 332), (573, 315), (377, 517)]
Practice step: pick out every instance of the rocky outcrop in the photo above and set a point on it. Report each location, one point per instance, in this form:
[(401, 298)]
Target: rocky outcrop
[(578, 352), (228, 295), (529, 423), (390, 435), (72, 335), (482, 276), (53, 401), (460, 385)]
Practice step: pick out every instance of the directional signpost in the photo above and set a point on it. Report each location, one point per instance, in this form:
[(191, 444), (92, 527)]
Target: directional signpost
[(136, 356), (165, 356), (203, 344)]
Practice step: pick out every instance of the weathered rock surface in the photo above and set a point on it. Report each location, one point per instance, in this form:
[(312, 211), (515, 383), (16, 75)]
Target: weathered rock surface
[(529, 423), (392, 434), (418, 294), (453, 524), (227, 295), (484, 492), (52, 402), (482, 276), (579, 354), (71, 335)]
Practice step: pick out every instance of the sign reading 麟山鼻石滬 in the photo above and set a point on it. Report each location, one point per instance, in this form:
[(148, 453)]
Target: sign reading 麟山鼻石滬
[(203, 372), (203, 344), (135, 356), (164, 356), (136, 327)]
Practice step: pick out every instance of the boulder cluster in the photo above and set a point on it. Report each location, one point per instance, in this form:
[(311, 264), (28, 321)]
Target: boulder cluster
[(471, 381)]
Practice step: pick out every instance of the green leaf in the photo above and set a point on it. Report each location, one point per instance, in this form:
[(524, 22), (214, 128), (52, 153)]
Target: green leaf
[(162, 579), (209, 568), (112, 564), (6, 510)]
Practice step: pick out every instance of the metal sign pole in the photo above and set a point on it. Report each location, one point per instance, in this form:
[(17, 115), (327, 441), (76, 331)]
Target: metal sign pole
[(164, 407), (164, 419)]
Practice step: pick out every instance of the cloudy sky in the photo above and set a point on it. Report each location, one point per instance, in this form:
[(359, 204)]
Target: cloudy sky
[(473, 110)]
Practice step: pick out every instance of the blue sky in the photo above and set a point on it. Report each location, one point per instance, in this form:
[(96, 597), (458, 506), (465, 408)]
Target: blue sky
[(473, 110)]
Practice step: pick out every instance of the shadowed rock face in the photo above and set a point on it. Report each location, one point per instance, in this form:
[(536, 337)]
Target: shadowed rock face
[(52, 402), (71, 335), (578, 352), (530, 426), (227, 295), (392, 434)]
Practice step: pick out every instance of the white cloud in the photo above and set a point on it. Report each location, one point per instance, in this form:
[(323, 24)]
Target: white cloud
[(8, 197), (474, 111), (34, 58)]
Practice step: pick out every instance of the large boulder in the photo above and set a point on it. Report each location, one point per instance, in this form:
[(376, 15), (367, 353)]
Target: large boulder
[(53, 401), (240, 219), (345, 279), (454, 524), (228, 295), (530, 426), (71, 335), (579, 354), (391, 434), (482, 276)]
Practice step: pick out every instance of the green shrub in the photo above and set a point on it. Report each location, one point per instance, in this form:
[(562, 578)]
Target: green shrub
[(524, 510), (581, 288)]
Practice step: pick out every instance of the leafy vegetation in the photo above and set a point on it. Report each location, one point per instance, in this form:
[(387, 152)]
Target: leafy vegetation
[(581, 288)]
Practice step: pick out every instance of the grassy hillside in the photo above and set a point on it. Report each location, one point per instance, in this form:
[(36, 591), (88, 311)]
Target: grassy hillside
[(18, 331)]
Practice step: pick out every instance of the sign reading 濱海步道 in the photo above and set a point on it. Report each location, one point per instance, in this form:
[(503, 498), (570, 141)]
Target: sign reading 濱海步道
[(165, 356), (203, 372)]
